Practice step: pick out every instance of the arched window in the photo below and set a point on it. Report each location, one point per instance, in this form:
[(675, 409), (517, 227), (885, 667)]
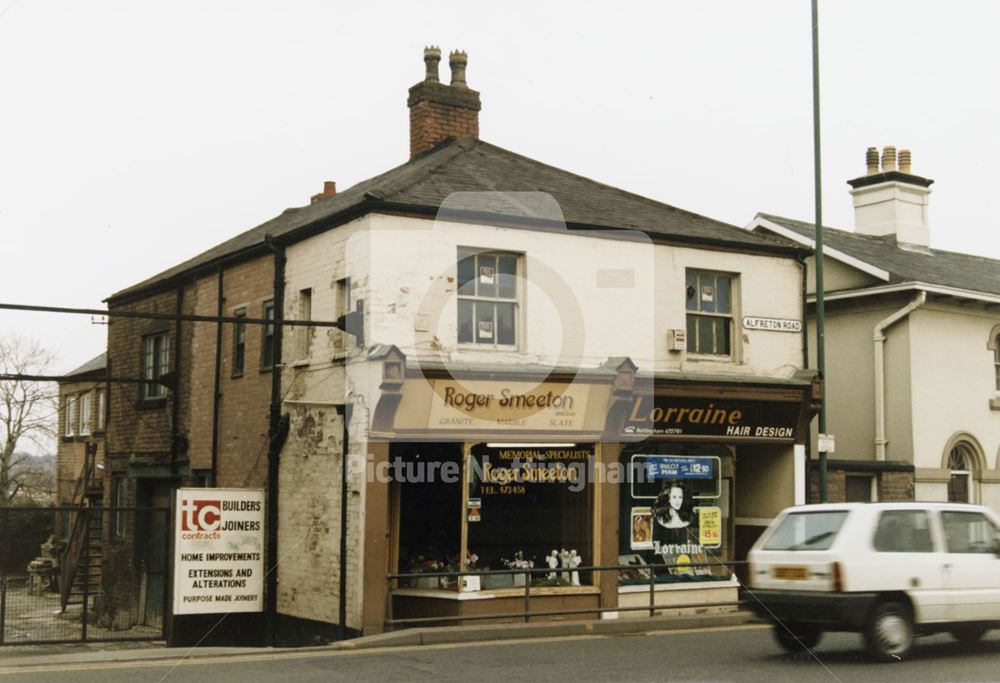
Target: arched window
[(960, 461)]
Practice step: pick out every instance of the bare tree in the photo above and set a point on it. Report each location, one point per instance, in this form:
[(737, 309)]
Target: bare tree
[(28, 413)]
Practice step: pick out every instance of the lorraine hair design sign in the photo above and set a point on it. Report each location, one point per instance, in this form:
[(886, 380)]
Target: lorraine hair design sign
[(218, 551)]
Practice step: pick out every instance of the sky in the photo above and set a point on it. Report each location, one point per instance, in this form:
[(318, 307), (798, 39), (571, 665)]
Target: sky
[(134, 135)]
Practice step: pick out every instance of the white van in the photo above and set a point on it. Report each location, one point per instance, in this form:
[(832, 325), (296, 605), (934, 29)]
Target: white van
[(888, 570)]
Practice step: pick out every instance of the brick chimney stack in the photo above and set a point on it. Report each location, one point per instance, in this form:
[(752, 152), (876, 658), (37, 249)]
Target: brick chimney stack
[(440, 112), (891, 200)]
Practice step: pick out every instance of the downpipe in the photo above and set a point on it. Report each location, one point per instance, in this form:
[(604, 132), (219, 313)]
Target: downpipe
[(879, 340)]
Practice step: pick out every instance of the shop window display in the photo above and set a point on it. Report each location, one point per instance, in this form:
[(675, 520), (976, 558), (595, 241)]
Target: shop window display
[(531, 506), (675, 514)]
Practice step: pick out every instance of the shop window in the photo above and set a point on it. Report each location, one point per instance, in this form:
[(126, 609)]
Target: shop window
[(960, 481), (267, 344), (429, 493), (86, 414), (675, 514), (525, 506), (69, 416), (239, 342), (858, 488), (531, 506), (709, 313), (155, 364), (903, 531), (488, 298)]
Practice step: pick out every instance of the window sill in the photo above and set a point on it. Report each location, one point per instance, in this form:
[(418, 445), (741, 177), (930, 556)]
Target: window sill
[(995, 403), (491, 593), (709, 358), (504, 348), (150, 403), (236, 375), (267, 368), (300, 363)]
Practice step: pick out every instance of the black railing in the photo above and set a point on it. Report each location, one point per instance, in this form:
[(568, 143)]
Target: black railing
[(652, 575)]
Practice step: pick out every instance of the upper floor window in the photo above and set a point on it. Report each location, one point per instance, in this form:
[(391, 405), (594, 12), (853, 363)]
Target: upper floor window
[(155, 364), (100, 410), (86, 414), (709, 313), (70, 416), (267, 344), (996, 360), (303, 333), (239, 342), (488, 297)]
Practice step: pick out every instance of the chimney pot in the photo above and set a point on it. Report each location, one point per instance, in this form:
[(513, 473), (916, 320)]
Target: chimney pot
[(329, 189), (871, 160), (904, 160), (458, 60), (888, 158), (432, 56)]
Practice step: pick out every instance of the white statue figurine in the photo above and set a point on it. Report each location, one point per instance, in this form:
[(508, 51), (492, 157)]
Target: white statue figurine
[(574, 562), (553, 561)]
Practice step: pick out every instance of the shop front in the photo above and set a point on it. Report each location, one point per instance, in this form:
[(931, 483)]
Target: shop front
[(493, 471)]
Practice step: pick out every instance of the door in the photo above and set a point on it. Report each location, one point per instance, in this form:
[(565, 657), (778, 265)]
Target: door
[(972, 567), (152, 528), (906, 559)]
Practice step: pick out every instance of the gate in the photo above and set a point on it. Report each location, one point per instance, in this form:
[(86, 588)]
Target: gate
[(70, 574)]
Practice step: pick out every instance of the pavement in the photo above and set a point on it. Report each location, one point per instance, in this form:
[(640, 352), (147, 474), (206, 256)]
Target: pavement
[(23, 656)]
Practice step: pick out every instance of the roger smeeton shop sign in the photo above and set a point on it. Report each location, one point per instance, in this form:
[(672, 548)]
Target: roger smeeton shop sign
[(218, 551)]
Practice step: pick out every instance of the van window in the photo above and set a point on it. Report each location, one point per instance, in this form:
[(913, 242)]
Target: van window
[(903, 531), (807, 531), (969, 532)]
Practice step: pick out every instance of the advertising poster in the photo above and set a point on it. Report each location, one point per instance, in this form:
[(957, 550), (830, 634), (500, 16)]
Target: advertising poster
[(710, 527), (218, 551), (641, 537)]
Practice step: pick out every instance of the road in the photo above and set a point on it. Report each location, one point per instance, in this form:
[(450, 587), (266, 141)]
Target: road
[(725, 654)]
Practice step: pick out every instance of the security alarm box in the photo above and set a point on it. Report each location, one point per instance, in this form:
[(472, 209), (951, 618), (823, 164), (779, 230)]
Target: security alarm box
[(677, 340)]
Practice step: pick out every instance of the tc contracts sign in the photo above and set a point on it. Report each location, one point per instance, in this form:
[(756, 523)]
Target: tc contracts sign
[(219, 551)]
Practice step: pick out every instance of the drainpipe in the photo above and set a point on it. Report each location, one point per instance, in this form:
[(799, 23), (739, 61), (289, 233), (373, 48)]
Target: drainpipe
[(276, 435), (879, 339), (217, 395)]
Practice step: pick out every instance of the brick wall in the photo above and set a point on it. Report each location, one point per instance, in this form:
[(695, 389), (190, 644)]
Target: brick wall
[(890, 484)]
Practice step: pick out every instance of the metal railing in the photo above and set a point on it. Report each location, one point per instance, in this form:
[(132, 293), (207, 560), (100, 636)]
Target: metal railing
[(652, 575)]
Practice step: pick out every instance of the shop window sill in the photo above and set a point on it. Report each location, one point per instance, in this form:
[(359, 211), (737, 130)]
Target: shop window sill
[(450, 594), (731, 582)]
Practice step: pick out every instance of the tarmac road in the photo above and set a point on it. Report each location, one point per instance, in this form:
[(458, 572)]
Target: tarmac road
[(722, 654)]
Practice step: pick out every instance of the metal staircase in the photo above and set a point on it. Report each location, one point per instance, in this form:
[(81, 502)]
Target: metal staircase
[(82, 559)]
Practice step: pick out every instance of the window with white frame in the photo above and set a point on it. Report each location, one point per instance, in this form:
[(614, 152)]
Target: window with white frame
[(996, 361), (100, 410), (267, 343), (86, 414), (69, 414), (303, 333), (155, 364), (709, 306), (960, 474), (488, 298)]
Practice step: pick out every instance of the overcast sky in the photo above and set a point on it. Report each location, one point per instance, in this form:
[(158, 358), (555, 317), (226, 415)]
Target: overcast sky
[(134, 135)]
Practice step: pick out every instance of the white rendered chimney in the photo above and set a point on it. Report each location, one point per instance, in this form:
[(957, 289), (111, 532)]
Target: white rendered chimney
[(891, 200)]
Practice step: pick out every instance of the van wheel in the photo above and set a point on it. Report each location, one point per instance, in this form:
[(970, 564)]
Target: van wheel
[(796, 637), (968, 634), (889, 634)]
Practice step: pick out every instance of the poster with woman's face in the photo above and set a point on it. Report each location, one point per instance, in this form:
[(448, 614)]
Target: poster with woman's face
[(641, 537)]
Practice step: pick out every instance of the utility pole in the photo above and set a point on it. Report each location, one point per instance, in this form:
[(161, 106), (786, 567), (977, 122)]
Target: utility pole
[(818, 192)]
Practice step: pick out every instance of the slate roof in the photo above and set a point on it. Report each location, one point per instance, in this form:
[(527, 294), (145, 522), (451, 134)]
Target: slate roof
[(471, 165), (931, 266), (96, 364)]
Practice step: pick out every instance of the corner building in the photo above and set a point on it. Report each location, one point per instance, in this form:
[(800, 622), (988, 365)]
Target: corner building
[(532, 368)]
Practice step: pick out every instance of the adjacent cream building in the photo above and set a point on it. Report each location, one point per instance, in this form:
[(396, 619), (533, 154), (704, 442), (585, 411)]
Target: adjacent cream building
[(912, 347)]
